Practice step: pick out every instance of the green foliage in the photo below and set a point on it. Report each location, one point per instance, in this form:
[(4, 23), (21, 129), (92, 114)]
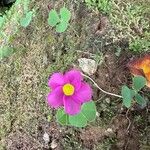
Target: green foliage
[(129, 95), (139, 82), (89, 111), (61, 27), (140, 44), (60, 21), (78, 120), (53, 19), (5, 52), (62, 117), (87, 114), (9, 25), (65, 14), (25, 21), (102, 5), (131, 22), (140, 100), (1, 21)]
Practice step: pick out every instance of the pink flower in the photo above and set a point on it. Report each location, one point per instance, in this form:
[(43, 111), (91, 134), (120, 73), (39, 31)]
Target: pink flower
[(68, 90)]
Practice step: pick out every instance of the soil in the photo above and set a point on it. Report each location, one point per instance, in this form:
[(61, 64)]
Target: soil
[(115, 127), (126, 134)]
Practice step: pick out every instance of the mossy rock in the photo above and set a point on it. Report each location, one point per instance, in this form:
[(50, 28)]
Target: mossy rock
[(10, 22)]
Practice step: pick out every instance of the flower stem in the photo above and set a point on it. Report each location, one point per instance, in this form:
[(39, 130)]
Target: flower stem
[(108, 93)]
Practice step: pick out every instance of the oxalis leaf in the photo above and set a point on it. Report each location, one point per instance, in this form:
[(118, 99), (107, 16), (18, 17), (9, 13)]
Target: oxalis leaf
[(5, 52), (65, 14), (127, 96), (87, 114), (89, 111), (139, 82), (61, 22), (140, 100), (53, 18), (1, 21), (62, 117), (27, 19), (78, 120), (61, 27)]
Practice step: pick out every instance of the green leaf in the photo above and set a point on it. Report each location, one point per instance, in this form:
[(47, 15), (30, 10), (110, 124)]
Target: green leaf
[(1, 21), (140, 100), (139, 82), (127, 96), (5, 52), (133, 93), (62, 117), (53, 18), (88, 113), (89, 110), (27, 19), (78, 120), (65, 14), (61, 27)]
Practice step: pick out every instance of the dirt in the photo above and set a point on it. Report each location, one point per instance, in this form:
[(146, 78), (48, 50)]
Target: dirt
[(114, 129), (126, 134), (127, 137), (21, 141), (113, 73), (122, 128), (92, 136)]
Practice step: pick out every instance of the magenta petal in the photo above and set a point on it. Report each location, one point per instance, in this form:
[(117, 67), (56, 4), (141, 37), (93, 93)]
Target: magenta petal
[(57, 79), (55, 98), (74, 77), (71, 106), (84, 94)]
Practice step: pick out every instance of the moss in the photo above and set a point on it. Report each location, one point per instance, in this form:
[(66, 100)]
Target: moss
[(131, 21), (11, 22), (38, 53)]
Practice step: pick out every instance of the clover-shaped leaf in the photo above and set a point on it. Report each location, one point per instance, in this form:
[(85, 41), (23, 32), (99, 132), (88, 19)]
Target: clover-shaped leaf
[(140, 100), (87, 114), (65, 14), (53, 18), (60, 21), (78, 120), (25, 21), (127, 96), (62, 117), (139, 82), (89, 111), (61, 27), (1, 21), (5, 52)]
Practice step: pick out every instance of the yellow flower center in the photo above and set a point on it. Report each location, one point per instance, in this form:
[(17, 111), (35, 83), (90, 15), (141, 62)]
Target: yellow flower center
[(68, 89)]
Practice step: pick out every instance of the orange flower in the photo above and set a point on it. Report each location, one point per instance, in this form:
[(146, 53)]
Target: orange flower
[(141, 67)]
